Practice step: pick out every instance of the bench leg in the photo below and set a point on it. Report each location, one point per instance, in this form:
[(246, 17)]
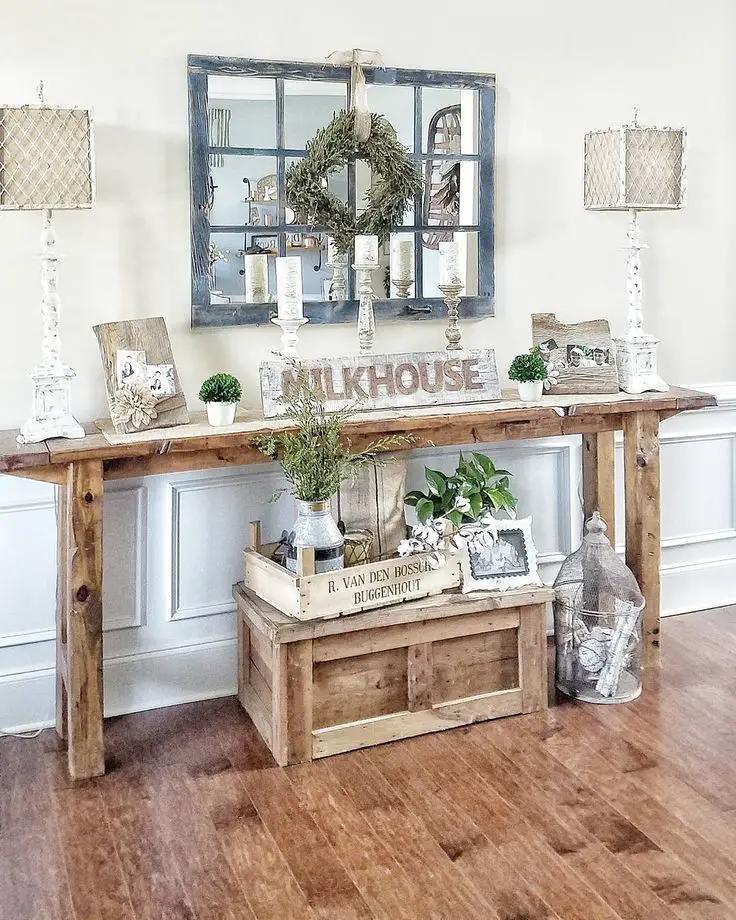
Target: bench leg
[(599, 479)]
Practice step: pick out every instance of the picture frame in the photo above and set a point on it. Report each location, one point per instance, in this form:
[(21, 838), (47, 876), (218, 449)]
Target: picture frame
[(144, 346), (510, 562), (579, 356)]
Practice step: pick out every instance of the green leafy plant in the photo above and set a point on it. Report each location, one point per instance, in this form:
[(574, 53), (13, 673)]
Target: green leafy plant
[(221, 388), (317, 457), (475, 489), (528, 367)]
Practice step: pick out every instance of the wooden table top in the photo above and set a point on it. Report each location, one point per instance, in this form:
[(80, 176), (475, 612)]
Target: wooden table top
[(506, 419)]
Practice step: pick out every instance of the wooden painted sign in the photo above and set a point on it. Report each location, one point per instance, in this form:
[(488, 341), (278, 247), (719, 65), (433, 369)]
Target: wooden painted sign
[(432, 378)]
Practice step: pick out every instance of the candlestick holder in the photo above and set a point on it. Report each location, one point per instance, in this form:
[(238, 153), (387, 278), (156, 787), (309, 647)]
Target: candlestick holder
[(366, 317), (402, 286), (339, 265), (451, 294), (289, 338)]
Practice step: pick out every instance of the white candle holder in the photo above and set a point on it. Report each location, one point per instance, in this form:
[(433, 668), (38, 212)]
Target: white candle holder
[(451, 294), (366, 317), (289, 334), (339, 265), (402, 286)]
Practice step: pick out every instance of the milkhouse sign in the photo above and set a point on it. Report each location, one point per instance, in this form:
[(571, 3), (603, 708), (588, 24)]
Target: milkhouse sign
[(432, 378)]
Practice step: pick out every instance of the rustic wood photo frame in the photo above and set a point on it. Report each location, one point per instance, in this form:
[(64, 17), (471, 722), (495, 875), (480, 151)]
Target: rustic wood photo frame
[(142, 335), (571, 352)]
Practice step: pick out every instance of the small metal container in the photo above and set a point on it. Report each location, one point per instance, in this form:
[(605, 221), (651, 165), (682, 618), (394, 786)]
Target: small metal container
[(315, 526)]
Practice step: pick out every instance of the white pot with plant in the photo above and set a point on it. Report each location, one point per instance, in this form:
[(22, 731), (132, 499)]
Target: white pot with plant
[(458, 511), (316, 459), (530, 373), (221, 394)]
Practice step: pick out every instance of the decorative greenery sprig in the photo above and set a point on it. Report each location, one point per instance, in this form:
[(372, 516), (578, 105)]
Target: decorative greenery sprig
[(397, 179), (317, 458), (528, 367), (221, 388), (475, 489)]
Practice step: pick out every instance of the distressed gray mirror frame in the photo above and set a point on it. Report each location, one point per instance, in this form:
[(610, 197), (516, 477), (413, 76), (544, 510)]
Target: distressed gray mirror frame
[(205, 312)]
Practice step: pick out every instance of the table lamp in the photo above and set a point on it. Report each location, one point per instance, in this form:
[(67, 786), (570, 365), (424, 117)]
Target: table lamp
[(46, 164), (635, 168)]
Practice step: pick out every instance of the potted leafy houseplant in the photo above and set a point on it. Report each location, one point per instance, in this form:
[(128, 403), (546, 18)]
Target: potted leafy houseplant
[(221, 394), (530, 372), (316, 459), (458, 510)]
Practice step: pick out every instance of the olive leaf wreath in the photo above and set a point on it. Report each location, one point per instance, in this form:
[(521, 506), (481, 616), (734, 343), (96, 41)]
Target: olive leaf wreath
[(398, 180)]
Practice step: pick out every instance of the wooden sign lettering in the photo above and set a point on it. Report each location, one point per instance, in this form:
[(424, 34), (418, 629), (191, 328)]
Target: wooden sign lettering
[(432, 378)]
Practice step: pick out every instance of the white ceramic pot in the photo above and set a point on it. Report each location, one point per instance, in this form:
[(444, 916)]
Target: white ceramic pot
[(530, 390), (219, 413)]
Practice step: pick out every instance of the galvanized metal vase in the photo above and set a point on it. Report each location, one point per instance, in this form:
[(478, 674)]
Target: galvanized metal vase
[(315, 526)]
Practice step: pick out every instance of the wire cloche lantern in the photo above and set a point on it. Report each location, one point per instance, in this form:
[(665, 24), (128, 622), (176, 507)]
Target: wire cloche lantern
[(598, 608)]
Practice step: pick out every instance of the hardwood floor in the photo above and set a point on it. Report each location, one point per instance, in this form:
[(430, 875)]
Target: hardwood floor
[(581, 813)]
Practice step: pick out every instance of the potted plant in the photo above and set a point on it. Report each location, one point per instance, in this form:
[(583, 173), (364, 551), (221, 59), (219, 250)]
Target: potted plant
[(316, 459), (459, 509), (221, 394), (530, 372)]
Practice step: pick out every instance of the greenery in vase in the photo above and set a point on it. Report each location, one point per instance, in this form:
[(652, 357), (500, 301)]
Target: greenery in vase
[(221, 388), (317, 457), (528, 367), (475, 489)]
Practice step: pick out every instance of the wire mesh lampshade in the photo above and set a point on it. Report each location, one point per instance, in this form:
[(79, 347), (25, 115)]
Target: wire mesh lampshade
[(635, 168), (45, 158)]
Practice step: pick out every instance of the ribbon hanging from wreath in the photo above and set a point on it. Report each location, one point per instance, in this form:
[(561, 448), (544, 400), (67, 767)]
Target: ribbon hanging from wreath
[(396, 178)]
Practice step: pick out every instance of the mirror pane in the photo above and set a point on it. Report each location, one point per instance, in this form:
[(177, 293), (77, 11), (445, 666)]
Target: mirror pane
[(397, 104), (309, 105), (449, 120), (450, 192), (468, 262), (242, 111), (243, 191)]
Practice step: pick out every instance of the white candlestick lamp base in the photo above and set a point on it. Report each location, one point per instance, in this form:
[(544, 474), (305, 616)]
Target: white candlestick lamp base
[(289, 337), (636, 362), (366, 316), (451, 293)]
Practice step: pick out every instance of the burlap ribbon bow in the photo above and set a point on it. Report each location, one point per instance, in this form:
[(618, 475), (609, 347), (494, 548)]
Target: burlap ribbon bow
[(356, 59)]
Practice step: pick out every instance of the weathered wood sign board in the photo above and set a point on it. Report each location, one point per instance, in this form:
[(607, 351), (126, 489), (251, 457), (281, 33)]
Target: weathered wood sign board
[(360, 587), (579, 356), (431, 378)]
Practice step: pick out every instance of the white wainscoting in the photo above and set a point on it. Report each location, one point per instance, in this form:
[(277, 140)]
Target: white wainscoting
[(173, 548)]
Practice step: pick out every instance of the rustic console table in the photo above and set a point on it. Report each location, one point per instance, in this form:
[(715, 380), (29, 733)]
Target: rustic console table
[(80, 468)]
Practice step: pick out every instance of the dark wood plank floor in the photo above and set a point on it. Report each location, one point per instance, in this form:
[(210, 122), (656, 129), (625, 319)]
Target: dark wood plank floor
[(583, 813)]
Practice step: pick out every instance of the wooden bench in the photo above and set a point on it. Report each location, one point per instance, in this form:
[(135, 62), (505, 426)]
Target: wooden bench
[(320, 687)]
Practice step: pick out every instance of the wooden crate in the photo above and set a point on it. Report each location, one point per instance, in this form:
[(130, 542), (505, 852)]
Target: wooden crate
[(322, 687), (307, 596)]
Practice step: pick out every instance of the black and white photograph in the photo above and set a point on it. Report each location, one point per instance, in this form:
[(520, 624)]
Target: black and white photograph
[(130, 367), (582, 355), (161, 379), (510, 561)]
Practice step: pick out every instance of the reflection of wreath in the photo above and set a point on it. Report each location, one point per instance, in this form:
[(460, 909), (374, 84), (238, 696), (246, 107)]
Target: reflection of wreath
[(396, 180)]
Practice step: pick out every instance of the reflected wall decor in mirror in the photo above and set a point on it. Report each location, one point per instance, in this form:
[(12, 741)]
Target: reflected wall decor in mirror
[(250, 120)]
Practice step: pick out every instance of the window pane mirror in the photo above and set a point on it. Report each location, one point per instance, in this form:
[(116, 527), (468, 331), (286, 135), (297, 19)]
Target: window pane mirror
[(250, 120)]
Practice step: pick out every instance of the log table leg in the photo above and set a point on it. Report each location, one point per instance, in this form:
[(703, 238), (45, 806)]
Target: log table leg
[(599, 479), (62, 608), (83, 601), (643, 548)]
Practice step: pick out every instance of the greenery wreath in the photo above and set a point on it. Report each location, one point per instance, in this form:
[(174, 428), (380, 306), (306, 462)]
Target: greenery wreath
[(398, 180)]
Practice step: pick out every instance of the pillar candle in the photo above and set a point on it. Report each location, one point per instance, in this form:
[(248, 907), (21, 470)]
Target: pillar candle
[(402, 256), (256, 278), (366, 250), (289, 286), (450, 263)]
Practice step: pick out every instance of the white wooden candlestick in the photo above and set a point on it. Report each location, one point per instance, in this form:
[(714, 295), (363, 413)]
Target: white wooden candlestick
[(636, 352), (51, 416), (289, 334), (451, 293), (366, 316), (338, 262)]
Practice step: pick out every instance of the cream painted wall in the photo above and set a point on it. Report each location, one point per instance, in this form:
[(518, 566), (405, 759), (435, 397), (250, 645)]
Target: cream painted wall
[(562, 68)]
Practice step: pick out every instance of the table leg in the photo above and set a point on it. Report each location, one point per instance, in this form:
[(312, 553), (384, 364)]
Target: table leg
[(84, 630), (643, 546), (599, 479), (62, 608)]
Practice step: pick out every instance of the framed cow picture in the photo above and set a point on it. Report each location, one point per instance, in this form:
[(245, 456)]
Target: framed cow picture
[(509, 561)]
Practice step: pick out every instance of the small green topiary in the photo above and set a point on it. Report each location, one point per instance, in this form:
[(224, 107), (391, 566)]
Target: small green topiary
[(528, 367), (221, 388)]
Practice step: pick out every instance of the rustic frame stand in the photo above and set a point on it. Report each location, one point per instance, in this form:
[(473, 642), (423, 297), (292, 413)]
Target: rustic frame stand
[(79, 468)]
